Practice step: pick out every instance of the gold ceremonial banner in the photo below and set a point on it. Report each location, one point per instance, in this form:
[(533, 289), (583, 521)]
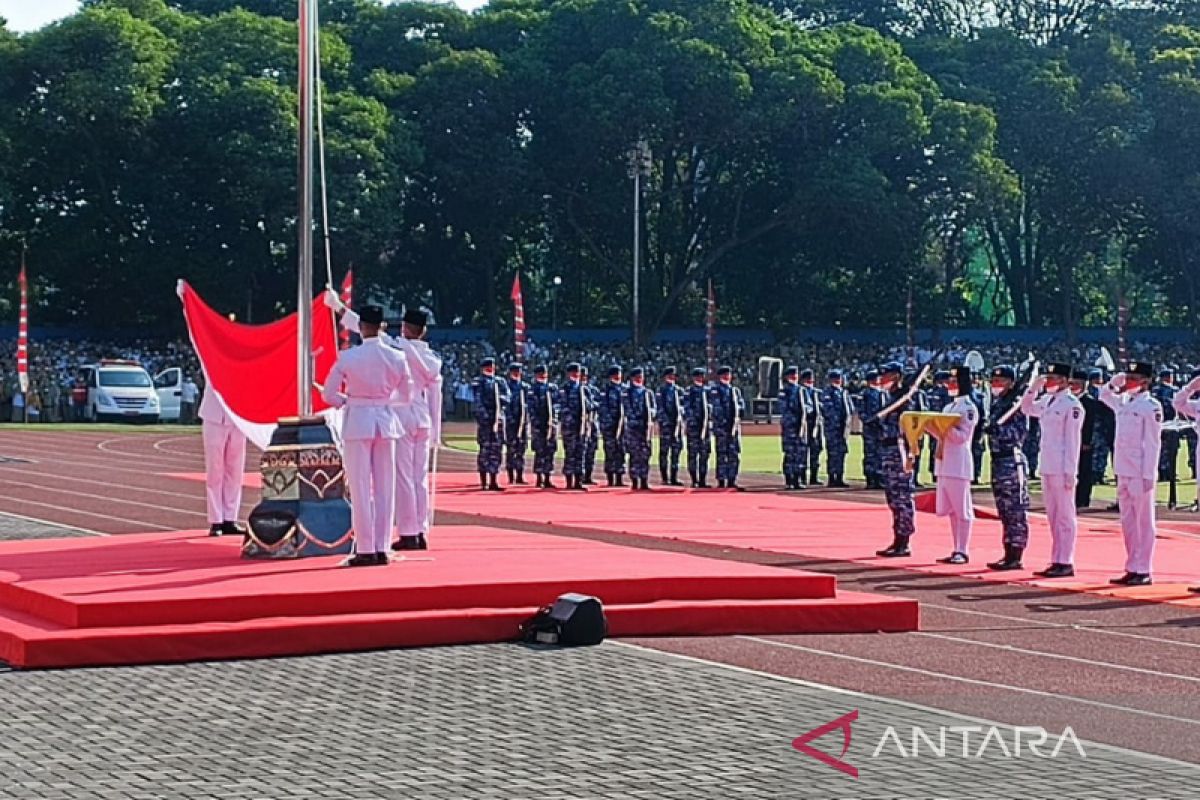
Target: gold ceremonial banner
[(915, 423)]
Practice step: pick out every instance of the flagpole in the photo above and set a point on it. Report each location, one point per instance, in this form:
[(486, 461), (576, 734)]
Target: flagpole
[(304, 294)]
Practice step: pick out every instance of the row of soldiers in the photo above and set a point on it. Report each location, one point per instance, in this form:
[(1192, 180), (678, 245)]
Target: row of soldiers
[(620, 416)]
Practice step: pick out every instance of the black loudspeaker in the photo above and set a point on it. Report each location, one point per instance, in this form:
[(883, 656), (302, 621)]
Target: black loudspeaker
[(770, 377), (574, 619)]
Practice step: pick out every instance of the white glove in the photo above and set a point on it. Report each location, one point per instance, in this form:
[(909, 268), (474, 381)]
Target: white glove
[(1039, 383), (1118, 380), (332, 301)]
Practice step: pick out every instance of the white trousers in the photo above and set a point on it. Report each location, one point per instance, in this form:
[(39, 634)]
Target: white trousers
[(1059, 493), (224, 461), (412, 483), (371, 473), (954, 501), (1137, 524)]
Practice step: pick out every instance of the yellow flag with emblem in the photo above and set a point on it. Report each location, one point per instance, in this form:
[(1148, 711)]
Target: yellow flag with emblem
[(916, 423)]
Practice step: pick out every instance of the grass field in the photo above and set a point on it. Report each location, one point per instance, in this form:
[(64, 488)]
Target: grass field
[(762, 454)]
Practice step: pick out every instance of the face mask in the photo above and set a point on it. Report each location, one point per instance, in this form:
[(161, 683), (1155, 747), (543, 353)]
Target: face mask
[(997, 391)]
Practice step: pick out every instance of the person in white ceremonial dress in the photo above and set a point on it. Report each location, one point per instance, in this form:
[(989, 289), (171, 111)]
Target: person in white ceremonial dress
[(955, 467), (224, 463)]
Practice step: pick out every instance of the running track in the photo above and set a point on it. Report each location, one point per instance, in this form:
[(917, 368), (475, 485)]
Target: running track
[(1121, 672)]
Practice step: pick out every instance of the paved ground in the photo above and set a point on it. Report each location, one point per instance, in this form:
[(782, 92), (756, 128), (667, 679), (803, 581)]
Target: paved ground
[(509, 722), (608, 722)]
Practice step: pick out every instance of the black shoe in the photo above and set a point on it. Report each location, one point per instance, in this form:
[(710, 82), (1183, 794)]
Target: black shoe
[(620, 480), (233, 529), (411, 543), (216, 530), (520, 478), (665, 474), (483, 481), (547, 483), (1057, 571), (494, 486), (1194, 589), (897, 549), (366, 560), (720, 483), (611, 480), (1124, 580), (1011, 560), (510, 477), (955, 558), (1139, 579)]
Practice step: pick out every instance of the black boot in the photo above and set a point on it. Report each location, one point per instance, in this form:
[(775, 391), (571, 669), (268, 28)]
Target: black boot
[(510, 477), (646, 485), (703, 479), (1011, 560), (608, 477), (547, 483), (898, 548), (675, 477), (695, 480), (483, 481), (813, 478), (494, 486), (619, 480), (664, 473), (520, 477), (1057, 571)]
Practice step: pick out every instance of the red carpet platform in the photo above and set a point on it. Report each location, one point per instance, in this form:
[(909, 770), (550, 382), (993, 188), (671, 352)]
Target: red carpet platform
[(826, 528), (148, 598)]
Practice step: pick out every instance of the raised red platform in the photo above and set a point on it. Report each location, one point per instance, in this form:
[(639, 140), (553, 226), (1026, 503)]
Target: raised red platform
[(184, 596)]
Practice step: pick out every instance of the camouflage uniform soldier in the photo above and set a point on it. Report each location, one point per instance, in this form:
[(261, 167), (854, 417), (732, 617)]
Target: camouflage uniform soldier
[(612, 427), (697, 412), (837, 410), (870, 398), (573, 418), (938, 398), (516, 425), (1033, 447), (490, 403), (882, 421), (670, 428), (592, 427), (1010, 480), (792, 430), (814, 426), (639, 431), (728, 408), (1164, 393), (543, 426), (1104, 430)]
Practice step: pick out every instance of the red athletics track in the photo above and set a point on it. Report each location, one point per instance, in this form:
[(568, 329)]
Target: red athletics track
[(1119, 671)]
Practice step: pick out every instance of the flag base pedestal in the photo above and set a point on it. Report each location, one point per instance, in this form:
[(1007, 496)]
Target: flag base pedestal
[(304, 511)]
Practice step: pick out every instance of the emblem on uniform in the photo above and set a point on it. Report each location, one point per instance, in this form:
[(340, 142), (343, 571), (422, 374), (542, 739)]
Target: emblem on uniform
[(1075, 413), (1158, 416)]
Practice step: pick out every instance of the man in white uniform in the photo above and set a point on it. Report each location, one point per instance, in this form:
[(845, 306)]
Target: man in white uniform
[(375, 378), (1136, 451), (224, 462), (421, 420), (955, 467), (1188, 405), (1061, 415)]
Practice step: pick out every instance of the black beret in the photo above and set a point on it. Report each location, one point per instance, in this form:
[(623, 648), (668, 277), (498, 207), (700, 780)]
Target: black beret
[(724, 370), (805, 374), (698, 372), (371, 315), (669, 371), (515, 367), (614, 371), (637, 372), (487, 362), (790, 371)]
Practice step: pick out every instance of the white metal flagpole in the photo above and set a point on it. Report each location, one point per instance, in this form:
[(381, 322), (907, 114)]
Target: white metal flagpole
[(304, 294)]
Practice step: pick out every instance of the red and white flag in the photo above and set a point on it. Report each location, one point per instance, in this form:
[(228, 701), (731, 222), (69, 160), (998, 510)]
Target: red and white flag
[(711, 329), (518, 317), (347, 298), (23, 331)]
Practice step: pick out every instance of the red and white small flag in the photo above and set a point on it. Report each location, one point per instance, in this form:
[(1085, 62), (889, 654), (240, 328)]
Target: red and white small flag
[(347, 295), (23, 331), (518, 317)]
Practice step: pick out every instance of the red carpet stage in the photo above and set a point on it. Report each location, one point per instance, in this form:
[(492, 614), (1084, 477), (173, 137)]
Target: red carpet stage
[(826, 528), (145, 598)]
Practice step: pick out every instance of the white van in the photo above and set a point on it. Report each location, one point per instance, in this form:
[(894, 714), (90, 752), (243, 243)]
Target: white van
[(120, 390)]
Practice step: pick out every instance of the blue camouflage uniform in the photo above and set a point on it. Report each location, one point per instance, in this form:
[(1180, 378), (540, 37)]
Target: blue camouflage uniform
[(814, 426), (837, 410), (1104, 431), (792, 433), (1010, 478), (893, 451), (978, 446), (639, 413), (1033, 447), (728, 407), (670, 429), (516, 425), (490, 403), (612, 426), (573, 424), (592, 428), (543, 425), (697, 414), (870, 398), (1164, 393)]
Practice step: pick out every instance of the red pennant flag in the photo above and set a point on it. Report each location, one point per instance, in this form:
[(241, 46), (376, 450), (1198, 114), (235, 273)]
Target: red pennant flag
[(23, 331), (347, 298), (518, 317), (711, 329)]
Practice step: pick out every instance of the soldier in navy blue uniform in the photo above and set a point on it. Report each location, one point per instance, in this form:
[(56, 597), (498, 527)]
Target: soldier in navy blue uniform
[(670, 428), (592, 443), (937, 398), (573, 423), (543, 425), (837, 410), (639, 413), (728, 407), (814, 426), (697, 412), (920, 402), (1087, 437), (793, 433), (978, 445), (1033, 447), (1164, 393), (1104, 431), (870, 398), (883, 422), (490, 398), (1006, 431), (516, 425), (612, 427)]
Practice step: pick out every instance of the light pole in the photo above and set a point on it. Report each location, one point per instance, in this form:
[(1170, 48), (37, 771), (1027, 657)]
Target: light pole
[(639, 167), (554, 302)]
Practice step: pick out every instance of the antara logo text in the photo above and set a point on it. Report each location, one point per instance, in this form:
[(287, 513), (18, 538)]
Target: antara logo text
[(968, 742)]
